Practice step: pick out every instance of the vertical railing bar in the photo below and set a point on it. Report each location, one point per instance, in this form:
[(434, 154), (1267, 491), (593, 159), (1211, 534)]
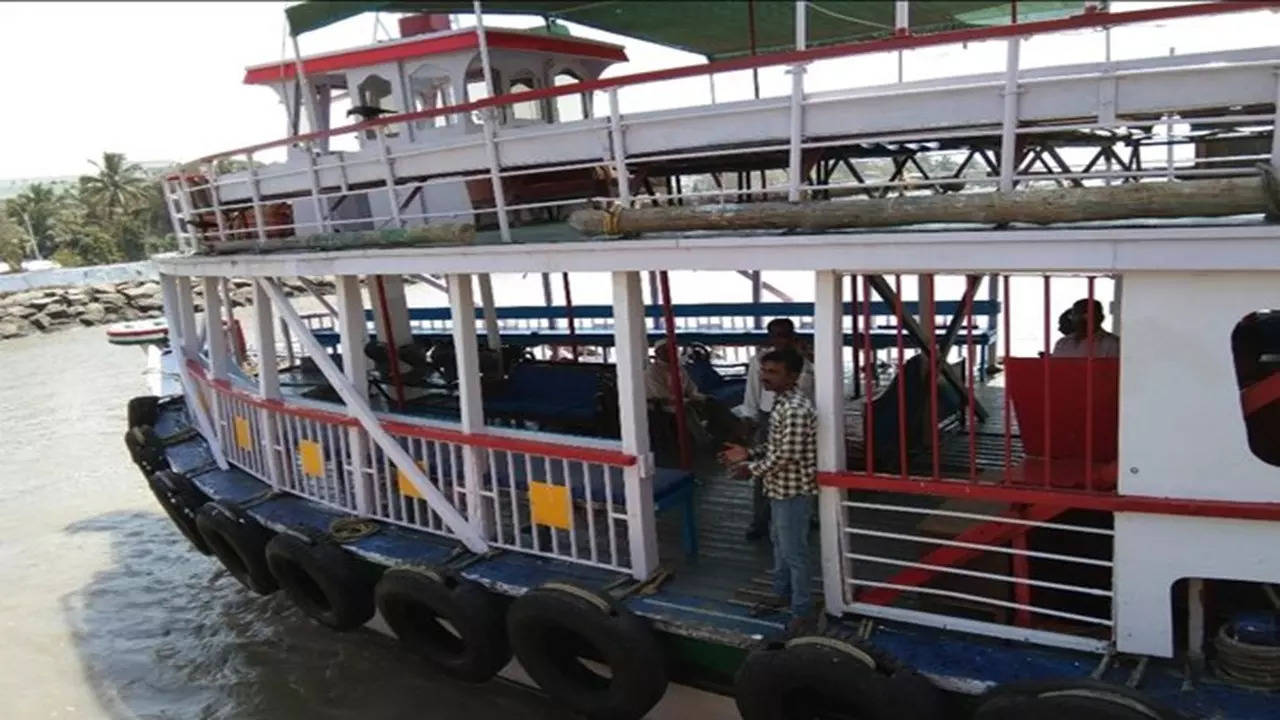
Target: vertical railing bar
[(933, 380), (515, 501), (613, 523), (546, 468), (439, 475), (1045, 363), (256, 195), (1088, 392), (1008, 410), (868, 419), (528, 481), (902, 385), (970, 373), (389, 176), (497, 504), (590, 506)]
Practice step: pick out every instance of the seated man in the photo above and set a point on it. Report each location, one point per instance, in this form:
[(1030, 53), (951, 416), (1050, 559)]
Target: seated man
[(1077, 342), (719, 421)]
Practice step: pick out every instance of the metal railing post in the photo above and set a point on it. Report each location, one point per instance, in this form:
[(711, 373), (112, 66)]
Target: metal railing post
[(215, 203), (256, 194), (489, 116), (1009, 125), (352, 332), (619, 150), (797, 109), (471, 410), (268, 381), (389, 176), (322, 217), (176, 294), (631, 346), (1275, 125)]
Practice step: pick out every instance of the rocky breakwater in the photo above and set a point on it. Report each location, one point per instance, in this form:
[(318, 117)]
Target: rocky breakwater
[(49, 309)]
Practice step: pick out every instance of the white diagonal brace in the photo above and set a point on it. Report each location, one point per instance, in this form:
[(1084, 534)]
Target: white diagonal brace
[(181, 320), (363, 414)]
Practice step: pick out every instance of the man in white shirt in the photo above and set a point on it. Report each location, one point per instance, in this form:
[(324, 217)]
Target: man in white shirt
[(757, 403), (710, 421), (1078, 342)]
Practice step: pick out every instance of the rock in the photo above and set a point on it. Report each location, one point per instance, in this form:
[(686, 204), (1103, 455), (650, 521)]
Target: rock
[(17, 311), (12, 328), (42, 322), (128, 313), (102, 289), (56, 311), (75, 297), (241, 283), (40, 303), (152, 313), (93, 314), (112, 300), (148, 303), (137, 293)]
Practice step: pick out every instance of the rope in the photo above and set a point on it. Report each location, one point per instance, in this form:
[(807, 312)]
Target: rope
[(1270, 190), (349, 529), (1255, 666), (613, 220)]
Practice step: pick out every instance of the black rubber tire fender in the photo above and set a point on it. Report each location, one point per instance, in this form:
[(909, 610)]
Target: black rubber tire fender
[(327, 583), (832, 675), (1070, 699), (181, 500), (414, 601), (145, 449), (143, 410), (553, 626), (240, 543)]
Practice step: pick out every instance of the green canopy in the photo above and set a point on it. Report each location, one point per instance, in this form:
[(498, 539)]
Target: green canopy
[(715, 29)]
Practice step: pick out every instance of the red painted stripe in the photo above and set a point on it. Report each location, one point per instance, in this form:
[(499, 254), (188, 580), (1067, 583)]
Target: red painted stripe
[(1076, 22), (497, 39), (1260, 394), (492, 442), (1057, 498)]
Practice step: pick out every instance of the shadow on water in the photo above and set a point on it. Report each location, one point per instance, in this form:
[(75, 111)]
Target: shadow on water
[(164, 632)]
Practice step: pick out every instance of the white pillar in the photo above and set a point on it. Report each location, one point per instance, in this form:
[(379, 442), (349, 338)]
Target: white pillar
[(490, 313), (187, 317), (352, 332), (1009, 127), (619, 150), (268, 379), (829, 396), (797, 108), (184, 340), (217, 339), (631, 347), (463, 309)]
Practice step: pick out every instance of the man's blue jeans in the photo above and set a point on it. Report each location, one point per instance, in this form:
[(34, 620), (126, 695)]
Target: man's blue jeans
[(789, 532)]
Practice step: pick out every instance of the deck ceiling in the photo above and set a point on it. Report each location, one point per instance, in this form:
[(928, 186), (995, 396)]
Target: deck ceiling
[(717, 29)]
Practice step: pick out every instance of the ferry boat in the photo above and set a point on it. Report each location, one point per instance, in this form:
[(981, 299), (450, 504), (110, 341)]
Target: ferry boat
[(1002, 531)]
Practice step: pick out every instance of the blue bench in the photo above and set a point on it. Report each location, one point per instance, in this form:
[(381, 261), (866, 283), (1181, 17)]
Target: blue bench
[(711, 383), (548, 392)]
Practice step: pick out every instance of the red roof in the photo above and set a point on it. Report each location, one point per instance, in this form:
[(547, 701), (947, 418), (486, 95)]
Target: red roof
[(436, 44)]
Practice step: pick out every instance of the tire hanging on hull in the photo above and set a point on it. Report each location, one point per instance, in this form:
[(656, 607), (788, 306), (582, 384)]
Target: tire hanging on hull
[(832, 675), (181, 501), (1069, 700), (327, 583), (555, 627), (416, 602), (240, 543)]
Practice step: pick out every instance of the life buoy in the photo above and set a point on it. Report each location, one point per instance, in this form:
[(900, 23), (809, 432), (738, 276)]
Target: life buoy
[(554, 628), (181, 500), (240, 543), (146, 449), (831, 675), (1069, 700), (327, 583), (416, 602)]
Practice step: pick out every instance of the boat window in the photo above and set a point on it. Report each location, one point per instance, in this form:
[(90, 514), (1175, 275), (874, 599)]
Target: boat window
[(430, 87), (530, 109), (477, 90), (1255, 345), (569, 107)]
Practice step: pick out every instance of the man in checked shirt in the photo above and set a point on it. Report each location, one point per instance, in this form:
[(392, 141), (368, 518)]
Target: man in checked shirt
[(787, 463)]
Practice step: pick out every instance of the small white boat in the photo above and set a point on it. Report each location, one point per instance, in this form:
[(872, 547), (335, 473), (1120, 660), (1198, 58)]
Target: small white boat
[(139, 332)]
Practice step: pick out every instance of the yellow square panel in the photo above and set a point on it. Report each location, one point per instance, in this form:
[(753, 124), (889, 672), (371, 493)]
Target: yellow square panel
[(550, 504), (244, 438), (312, 458), (406, 487)]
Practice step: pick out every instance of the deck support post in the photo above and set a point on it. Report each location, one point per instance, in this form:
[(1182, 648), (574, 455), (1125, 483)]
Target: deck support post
[(631, 347), (490, 117), (180, 315), (268, 380), (1275, 136), (757, 294), (1009, 125), (352, 332), (359, 409), (462, 306), (217, 340), (926, 303), (619, 150), (828, 351), (797, 109), (491, 332), (393, 328)]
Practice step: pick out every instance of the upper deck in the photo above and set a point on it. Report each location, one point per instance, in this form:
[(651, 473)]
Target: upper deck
[(466, 167)]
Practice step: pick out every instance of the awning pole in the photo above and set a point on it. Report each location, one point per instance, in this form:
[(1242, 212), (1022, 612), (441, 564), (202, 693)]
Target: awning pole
[(568, 310), (303, 86), (393, 356), (490, 121), (751, 38), (673, 372)]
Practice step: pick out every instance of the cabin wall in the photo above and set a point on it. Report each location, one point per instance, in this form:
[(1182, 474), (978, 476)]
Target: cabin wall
[(1182, 435)]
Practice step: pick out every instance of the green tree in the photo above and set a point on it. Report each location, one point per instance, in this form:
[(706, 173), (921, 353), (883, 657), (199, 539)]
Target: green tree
[(12, 241), (118, 188), (34, 210)]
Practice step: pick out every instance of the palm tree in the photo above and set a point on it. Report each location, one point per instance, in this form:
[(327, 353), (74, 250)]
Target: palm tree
[(118, 187), (34, 210)]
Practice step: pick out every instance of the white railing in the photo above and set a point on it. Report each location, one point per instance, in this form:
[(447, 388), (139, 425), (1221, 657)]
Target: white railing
[(536, 497)]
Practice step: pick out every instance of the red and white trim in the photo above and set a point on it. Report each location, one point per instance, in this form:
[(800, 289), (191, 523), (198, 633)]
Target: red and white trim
[(435, 44)]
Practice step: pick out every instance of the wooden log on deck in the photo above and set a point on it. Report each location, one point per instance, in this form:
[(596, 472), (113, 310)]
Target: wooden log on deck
[(1192, 198)]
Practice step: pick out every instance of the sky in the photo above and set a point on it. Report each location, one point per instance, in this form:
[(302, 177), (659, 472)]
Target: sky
[(162, 81)]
